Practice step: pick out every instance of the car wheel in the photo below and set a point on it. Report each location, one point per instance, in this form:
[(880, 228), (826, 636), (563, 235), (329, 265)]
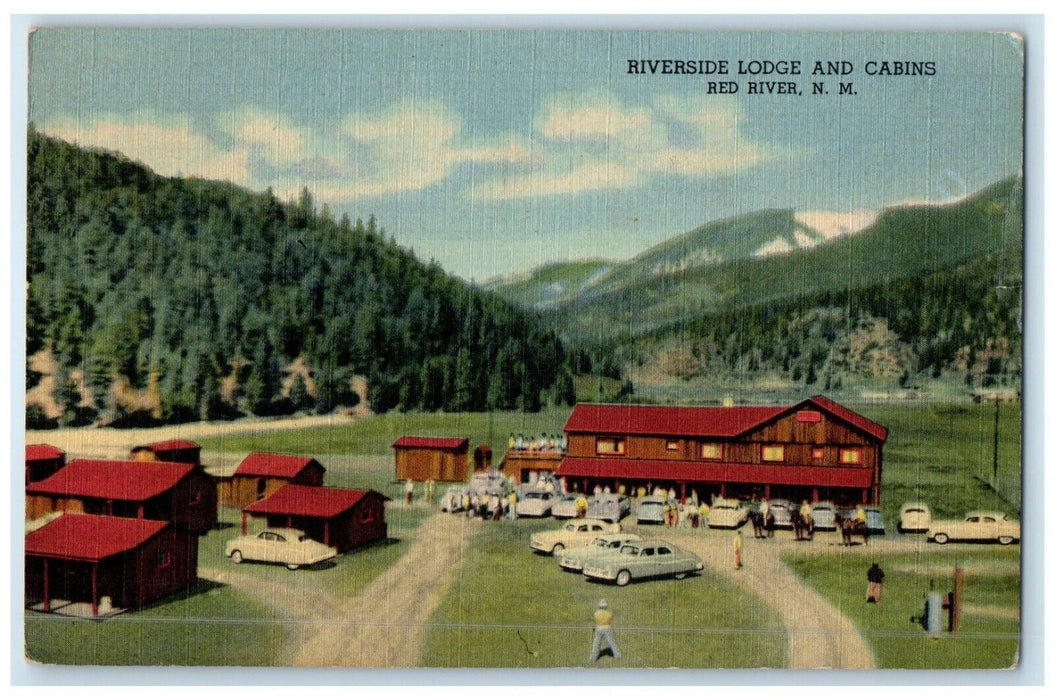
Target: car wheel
[(622, 578), (680, 575), (292, 567), (1004, 539), (941, 538), (236, 557), (557, 549)]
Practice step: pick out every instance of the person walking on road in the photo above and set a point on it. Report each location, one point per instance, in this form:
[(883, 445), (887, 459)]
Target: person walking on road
[(603, 639), (875, 583), (738, 550)]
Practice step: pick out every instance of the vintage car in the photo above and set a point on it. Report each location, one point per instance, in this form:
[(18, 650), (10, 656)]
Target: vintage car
[(489, 484), (780, 510), (283, 545), (566, 505), (644, 559), (727, 513), (536, 504), (913, 517), (976, 527), (575, 559), (823, 513), (650, 511), (575, 533), (608, 506), (873, 518)]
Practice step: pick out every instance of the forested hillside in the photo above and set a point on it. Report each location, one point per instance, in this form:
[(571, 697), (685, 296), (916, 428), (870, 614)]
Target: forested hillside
[(156, 299)]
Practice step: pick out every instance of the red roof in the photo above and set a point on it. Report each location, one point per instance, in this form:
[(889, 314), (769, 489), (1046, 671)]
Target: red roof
[(716, 472), (90, 537), (695, 421), (115, 479), (311, 501), (432, 442), (266, 464), (40, 453), (168, 445), (700, 421)]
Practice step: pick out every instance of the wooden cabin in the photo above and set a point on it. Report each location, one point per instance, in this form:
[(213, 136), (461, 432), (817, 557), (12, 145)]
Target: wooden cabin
[(813, 450), (436, 458), (109, 563), (42, 461), (179, 493), (262, 474), (341, 518), (183, 451)]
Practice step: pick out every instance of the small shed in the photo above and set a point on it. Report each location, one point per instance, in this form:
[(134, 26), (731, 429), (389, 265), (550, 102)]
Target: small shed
[(42, 461), (80, 559), (436, 458), (262, 474), (527, 466), (341, 518), (179, 493), (182, 451)]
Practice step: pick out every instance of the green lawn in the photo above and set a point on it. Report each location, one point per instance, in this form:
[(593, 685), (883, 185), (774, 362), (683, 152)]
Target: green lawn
[(988, 636), (512, 608), (208, 626)]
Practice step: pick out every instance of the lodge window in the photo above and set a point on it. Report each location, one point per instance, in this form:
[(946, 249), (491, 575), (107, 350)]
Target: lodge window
[(711, 450), (673, 445), (772, 453), (817, 454), (611, 446), (849, 456)]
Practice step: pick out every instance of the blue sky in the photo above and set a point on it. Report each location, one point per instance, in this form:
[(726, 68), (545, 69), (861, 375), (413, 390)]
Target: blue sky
[(496, 151)]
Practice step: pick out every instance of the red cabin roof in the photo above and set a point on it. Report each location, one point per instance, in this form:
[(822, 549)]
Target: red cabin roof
[(168, 445), (90, 537), (439, 443), (312, 501), (716, 472), (274, 465), (114, 479), (41, 453)]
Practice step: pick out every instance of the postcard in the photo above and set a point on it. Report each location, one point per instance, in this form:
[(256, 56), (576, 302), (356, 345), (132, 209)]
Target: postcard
[(524, 348)]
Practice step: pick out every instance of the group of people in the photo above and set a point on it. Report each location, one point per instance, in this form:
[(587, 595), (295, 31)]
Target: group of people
[(546, 443), (429, 495), (490, 506)]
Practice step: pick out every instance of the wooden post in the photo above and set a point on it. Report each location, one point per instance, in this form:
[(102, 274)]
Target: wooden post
[(722, 490), (245, 527), (816, 494), (957, 600), (682, 488), (47, 589), (326, 532), (95, 590), (140, 512), (767, 492)]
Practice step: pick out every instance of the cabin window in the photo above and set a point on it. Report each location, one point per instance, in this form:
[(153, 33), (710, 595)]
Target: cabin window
[(849, 456), (772, 453), (808, 417), (711, 451), (367, 516), (817, 454), (261, 487), (611, 446), (673, 445), (195, 497), (164, 559)]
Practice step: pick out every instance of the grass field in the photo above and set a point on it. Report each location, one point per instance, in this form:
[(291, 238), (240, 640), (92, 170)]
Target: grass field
[(512, 608), (988, 636)]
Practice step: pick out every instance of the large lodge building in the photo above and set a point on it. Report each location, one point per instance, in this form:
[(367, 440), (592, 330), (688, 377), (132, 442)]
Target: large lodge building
[(813, 450)]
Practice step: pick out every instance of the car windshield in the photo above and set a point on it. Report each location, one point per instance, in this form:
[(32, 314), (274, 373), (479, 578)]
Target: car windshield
[(631, 550), (599, 542), (535, 495)]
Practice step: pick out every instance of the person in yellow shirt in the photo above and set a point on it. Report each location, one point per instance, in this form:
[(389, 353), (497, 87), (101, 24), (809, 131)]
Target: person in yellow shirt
[(580, 507), (603, 639)]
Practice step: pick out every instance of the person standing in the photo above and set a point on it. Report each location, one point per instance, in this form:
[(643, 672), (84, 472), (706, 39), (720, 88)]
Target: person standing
[(513, 505), (408, 488), (876, 578), (738, 550), (603, 639), (580, 506)]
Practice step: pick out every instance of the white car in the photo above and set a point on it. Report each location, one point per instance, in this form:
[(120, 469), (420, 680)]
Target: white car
[(575, 533), (566, 505), (608, 506), (976, 527), (536, 504), (650, 510), (283, 545), (913, 517), (823, 514), (727, 513), (575, 559)]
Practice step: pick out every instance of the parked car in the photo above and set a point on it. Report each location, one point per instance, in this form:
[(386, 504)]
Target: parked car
[(644, 559), (565, 505), (873, 518), (575, 533), (650, 511), (489, 484), (575, 559), (536, 504), (283, 545), (977, 526), (823, 515), (781, 512), (608, 506), (913, 517), (452, 499), (727, 513)]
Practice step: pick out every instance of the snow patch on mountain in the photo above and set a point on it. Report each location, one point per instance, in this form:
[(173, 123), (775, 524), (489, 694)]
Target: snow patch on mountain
[(833, 224)]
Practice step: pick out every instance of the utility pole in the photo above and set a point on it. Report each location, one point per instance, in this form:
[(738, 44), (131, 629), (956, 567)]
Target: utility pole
[(996, 439)]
